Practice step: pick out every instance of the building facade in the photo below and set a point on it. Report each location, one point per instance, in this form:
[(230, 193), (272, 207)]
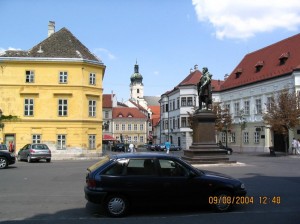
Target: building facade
[(55, 90), (129, 125), (247, 92)]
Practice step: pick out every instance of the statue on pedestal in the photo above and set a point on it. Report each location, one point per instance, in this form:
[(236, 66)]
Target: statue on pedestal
[(204, 89)]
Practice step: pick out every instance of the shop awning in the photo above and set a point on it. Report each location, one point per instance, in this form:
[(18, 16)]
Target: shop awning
[(108, 138)]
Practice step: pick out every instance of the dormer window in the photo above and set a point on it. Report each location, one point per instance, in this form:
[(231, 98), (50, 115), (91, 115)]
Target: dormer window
[(120, 115), (259, 65), (238, 73), (283, 58), (129, 115)]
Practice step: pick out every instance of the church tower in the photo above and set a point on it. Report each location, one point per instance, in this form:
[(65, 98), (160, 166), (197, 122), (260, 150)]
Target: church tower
[(136, 85)]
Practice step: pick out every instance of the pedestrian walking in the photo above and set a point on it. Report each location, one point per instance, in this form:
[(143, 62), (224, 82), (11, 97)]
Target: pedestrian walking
[(167, 145), (131, 148), (294, 146), (298, 147), (11, 147)]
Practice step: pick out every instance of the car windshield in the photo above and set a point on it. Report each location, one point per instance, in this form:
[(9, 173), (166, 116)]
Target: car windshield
[(3, 147), (40, 146)]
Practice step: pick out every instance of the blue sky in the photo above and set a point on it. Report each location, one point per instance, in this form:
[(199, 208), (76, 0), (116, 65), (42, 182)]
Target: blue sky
[(166, 37)]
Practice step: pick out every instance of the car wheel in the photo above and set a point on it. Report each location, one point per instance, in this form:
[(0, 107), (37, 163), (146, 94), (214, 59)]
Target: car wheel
[(48, 160), (116, 205), (29, 159), (3, 163), (223, 203)]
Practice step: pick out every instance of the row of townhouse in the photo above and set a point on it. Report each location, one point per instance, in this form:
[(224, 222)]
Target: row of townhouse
[(245, 92), (55, 90), (122, 123)]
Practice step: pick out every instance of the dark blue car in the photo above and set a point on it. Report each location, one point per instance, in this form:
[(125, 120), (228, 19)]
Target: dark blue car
[(121, 181)]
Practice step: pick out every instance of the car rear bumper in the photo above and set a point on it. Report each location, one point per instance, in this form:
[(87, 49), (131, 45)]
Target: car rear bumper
[(94, 196), (40, 157)]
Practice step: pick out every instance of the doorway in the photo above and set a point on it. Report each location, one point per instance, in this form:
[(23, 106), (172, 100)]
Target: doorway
[(10, 138)]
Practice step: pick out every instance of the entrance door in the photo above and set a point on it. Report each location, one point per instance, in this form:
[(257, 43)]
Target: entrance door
[(10, 138), (279, 142)]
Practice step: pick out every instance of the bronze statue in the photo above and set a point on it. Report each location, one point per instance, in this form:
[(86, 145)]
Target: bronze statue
[(204, 89)]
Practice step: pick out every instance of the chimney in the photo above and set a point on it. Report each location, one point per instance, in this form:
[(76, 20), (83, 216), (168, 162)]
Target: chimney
[(195, 67), (51, 28), (225, 76)]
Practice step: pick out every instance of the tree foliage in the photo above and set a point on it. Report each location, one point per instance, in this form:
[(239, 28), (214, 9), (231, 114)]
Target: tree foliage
[(283, 111), (8, 118), (224, 120)]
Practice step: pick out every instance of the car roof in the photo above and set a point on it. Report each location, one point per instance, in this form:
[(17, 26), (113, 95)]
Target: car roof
[(143, 155)]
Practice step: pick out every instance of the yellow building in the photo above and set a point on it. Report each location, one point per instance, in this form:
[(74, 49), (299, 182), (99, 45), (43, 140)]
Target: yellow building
[(55, 89)]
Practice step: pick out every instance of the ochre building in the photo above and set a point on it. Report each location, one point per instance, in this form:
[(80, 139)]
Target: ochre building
[(55, 90)]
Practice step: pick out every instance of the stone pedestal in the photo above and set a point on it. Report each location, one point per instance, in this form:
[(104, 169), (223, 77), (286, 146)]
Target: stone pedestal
[(204, 149)]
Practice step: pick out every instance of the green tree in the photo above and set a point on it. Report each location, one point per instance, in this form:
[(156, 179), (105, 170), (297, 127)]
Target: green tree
[(223, 121), (283, 113)]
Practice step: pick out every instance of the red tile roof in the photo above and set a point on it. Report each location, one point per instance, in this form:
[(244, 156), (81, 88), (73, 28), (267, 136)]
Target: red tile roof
[(107, 100), (155, 114), (268, 59), (155, 110), (127, 112)]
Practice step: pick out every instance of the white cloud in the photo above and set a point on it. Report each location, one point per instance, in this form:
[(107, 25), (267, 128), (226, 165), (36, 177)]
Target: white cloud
[(242, 19), (2, 50), (106, 52)]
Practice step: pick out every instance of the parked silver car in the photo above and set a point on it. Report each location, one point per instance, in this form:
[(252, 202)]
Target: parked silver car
[(34, 152)]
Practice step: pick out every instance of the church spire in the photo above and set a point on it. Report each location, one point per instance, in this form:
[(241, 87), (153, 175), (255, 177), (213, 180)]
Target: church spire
[(136, 68)]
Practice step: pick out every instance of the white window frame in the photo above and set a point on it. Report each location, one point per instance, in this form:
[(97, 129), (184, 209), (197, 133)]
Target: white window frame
[(28, 107), (246, 137), (247, 107), (29, 76), (92, 78), (236, 108), (92, 141), (92, 108), (62, 107), (61, 141), (63, 77), (36, 138), (256, 137), (232, 137), (258, 106), (142, 139)]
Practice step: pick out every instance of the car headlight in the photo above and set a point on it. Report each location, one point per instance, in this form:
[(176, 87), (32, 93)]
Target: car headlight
[(243, 186), (12, 155)]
